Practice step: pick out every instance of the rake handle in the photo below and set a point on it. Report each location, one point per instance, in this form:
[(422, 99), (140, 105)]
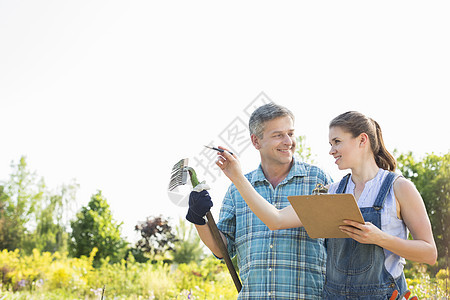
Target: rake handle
[(218, 238)]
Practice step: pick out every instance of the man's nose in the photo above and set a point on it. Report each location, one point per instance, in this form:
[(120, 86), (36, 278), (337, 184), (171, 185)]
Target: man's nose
[(288, 140)]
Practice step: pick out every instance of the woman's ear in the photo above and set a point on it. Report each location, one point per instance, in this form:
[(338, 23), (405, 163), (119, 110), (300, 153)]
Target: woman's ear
[(363, 139), (255, 141)]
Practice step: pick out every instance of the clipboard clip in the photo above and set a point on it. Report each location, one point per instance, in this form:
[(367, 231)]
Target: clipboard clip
[(319, 189)]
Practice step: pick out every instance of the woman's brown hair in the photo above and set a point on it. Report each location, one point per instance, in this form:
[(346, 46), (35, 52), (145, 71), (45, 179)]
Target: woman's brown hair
[(356, 123)]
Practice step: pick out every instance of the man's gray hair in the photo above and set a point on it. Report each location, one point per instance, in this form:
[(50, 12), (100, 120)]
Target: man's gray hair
[(266, 113)]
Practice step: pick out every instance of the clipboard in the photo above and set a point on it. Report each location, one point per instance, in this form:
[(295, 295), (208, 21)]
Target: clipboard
[(322, 214)]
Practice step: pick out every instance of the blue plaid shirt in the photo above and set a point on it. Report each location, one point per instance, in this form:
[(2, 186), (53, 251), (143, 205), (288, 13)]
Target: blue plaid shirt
[(281, 264)]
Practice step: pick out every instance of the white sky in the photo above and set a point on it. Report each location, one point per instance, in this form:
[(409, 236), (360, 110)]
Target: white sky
[(114, 93)]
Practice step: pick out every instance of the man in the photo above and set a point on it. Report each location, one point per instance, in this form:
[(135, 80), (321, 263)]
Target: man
[(282, 264)]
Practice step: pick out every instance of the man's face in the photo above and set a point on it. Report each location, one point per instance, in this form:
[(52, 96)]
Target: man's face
[(277, 144)]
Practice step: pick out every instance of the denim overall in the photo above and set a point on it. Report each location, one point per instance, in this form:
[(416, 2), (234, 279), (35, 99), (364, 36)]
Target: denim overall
[(355, 270)]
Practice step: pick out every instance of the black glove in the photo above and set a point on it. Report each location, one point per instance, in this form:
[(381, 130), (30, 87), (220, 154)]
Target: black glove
[(199, 204)]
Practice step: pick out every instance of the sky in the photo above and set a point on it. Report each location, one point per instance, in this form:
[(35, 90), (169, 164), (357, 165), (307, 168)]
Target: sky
[(114, 93)]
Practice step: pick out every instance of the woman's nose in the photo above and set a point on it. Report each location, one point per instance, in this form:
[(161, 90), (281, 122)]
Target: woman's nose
[(332, 150)]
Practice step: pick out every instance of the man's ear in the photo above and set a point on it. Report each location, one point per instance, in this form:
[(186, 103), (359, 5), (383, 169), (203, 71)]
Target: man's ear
[(255, 141)]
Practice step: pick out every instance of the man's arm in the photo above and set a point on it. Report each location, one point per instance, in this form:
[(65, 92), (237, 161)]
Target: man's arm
[(199, 204), (207, 238)]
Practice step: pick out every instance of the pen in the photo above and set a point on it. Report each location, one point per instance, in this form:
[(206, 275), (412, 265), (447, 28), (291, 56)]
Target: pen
[(217, 149)]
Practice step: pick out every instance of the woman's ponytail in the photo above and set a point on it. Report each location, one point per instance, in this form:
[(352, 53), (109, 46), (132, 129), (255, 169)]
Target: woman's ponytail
[(383, 158)]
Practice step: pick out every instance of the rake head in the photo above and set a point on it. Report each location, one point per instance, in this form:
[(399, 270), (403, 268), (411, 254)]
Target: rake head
[(180, 174)]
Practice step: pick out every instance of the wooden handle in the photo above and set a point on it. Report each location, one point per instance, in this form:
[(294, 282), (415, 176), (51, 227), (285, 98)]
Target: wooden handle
[(218, 238)]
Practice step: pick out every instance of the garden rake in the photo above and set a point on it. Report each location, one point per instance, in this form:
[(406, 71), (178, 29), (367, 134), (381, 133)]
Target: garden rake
[(178, 177)]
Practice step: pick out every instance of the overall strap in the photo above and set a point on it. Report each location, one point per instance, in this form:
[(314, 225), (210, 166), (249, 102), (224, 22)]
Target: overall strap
[(384, 190), (343, 184)]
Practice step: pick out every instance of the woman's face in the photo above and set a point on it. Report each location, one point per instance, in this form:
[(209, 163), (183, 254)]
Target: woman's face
[(344, 148)]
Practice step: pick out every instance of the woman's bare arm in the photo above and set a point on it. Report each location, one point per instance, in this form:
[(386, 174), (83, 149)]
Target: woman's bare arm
[(412, 209), (271, 216)]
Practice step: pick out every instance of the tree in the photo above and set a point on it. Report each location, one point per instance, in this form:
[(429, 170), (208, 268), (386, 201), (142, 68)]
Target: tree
[(52, 220), (31, 216), (157, 237), (303, 151), (10, 231), (188, 246), (431, 176), (19, 201), (94, 226)]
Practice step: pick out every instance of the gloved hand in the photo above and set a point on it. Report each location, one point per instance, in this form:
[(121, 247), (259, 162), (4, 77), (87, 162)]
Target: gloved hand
[(199, 204)]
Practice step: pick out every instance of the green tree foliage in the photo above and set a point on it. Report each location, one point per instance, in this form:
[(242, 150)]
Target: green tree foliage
[(51, 219), (10, 231), (30, 215), (188, 246), (304, 152), (94, 226), (22, 192), (157, 237), (431, 176)]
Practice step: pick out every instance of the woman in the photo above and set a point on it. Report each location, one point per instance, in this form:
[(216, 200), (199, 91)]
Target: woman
[(368, 264)]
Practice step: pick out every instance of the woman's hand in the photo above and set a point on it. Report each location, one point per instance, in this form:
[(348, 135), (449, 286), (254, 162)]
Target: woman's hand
[(364, 233), (229, 164)]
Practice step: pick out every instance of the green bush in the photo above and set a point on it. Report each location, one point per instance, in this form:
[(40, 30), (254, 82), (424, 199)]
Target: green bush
[(56, 276)]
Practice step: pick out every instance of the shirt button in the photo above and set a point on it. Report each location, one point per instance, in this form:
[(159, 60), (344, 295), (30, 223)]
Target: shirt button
[(269, 294), (270, 269), (271, 246)]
